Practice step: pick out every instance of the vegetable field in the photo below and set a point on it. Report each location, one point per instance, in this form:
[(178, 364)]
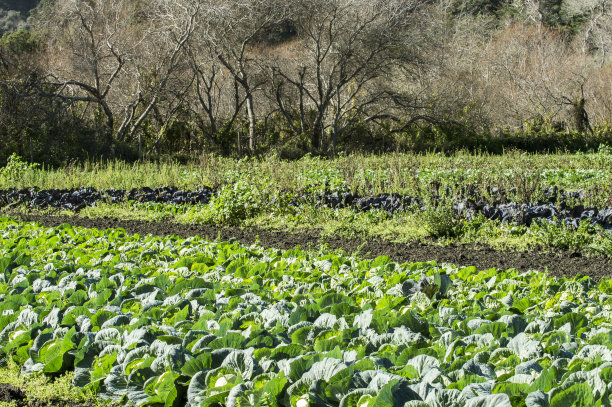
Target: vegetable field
[(523, 203), (167, 321)]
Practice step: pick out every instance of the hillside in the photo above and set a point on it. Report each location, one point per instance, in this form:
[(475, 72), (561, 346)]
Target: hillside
[(134, 79), (14, 13)]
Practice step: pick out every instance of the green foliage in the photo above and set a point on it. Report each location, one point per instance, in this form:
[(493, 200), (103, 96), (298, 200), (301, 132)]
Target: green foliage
[(441, 221), (15, 169), (367, 174), (234, 204), (18, 44), (559, 236), (56, 391), (10, 21), (605, 149), (322, 180), (192, 322)]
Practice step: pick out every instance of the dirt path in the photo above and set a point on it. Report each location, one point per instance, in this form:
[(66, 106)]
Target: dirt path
[(559, 264)]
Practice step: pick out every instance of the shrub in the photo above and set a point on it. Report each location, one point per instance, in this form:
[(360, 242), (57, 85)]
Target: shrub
[(16, 168), (234, 203), (441, 221), (604, 149)]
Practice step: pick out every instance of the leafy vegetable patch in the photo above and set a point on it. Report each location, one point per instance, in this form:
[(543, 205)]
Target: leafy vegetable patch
[(169, 321), (240, 200)]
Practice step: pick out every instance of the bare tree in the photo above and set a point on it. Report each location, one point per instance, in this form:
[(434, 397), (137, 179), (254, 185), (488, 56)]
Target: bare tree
[(531, 10), (321, 69), (343, 48), (597, 31), (236, 31), (218, 97), (452, 84), (92, 34), (171, 25), (121, 58), (536, 73)]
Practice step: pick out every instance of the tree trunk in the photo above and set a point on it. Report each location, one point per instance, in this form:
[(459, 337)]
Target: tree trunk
[(581, 117), (334, 141), (140, 147), (251, 114), (317, 137)]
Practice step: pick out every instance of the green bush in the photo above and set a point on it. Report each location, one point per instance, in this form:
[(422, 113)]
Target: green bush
[(604, 149), (234, 204), (16, 168), (441, 221), (563, 237)]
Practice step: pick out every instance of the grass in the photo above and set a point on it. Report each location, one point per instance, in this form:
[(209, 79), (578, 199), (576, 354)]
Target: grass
[(524, 176), (404, 227), (45, 389), (256, 193)]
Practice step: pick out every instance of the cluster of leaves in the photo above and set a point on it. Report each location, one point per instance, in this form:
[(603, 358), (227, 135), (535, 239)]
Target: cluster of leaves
[(15, 168), (169, 321), (586, 236), (324, 180), (441, 221), (234, 203), (604, 149)]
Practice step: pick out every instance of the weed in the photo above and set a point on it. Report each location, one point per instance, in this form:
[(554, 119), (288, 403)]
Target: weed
[(40, 387), (15, 169), (364, 174), (234, 204), (403, 227), (441, 221), (604, 149), (557, 235)]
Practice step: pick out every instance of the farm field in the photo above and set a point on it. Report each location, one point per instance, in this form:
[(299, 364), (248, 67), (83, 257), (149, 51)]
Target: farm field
[(517, 202), (173, 321), (337, 203), (561, 264), (398, 280)]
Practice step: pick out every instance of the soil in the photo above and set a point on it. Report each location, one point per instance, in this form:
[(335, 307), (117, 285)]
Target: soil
[(10, 393), (560, 263)]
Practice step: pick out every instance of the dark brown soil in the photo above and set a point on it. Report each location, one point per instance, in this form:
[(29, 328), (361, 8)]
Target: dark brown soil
[(10, 393), (558, 264)]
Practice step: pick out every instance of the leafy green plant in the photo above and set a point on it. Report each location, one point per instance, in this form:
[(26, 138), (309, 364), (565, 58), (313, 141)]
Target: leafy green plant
[(604, 149), (441, 221), (16, 168), (170, 321), (235, 203), (323, 180), (556, 235)]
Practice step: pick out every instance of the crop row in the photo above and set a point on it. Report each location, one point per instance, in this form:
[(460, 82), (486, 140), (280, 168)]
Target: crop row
[(167, 321), (566, 207), (509, 212), (79, 198), (403, 173)]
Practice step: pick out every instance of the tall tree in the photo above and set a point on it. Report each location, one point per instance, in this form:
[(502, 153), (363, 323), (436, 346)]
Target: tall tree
[(119, 56), (236, 33), (343, 48), (88, 52)]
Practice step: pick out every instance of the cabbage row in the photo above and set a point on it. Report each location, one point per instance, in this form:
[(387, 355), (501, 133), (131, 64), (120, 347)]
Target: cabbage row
[(561, 206), (172, 322)]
